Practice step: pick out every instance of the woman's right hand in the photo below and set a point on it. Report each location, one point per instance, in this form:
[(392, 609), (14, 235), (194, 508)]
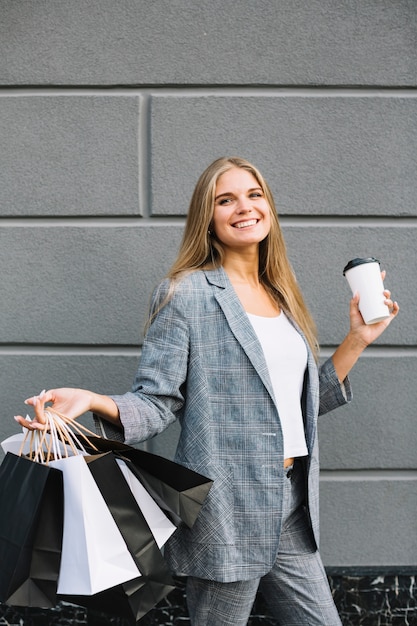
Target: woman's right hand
[(70, 402)]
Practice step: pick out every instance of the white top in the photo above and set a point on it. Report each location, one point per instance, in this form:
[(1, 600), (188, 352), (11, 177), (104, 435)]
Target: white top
[(286, 357)]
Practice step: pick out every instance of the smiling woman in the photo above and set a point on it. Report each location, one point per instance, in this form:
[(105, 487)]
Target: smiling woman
[(230, 193), (231, 352)]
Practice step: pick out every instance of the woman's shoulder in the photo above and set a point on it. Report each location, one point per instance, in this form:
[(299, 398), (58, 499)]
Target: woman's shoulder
[(187, 281), (187, 285)]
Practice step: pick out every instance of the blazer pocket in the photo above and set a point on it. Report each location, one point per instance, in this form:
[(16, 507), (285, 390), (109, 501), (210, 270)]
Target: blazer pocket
[(215, 522)]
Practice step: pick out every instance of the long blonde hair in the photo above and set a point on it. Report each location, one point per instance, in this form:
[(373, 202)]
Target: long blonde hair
[(201, 249)]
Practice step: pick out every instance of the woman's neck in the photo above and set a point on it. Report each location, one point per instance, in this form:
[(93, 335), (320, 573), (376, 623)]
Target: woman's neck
[(253, 296), (242, 269)]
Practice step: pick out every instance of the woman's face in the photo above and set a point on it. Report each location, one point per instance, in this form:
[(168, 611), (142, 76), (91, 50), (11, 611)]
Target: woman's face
[(242, 215)]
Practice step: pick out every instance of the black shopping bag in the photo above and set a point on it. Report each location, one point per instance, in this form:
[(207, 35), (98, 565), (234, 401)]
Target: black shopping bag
[(178, 490), (31, 523), (134, 598)]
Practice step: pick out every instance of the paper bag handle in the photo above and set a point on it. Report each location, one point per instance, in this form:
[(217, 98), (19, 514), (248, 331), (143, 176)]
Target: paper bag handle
[(61, 435)]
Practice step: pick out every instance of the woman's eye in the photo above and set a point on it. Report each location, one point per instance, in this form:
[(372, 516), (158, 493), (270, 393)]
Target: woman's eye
[(224, 201), (256, 194)]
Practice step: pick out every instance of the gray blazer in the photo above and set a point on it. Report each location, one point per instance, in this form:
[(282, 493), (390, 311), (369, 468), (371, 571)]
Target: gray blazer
[(202, 363)]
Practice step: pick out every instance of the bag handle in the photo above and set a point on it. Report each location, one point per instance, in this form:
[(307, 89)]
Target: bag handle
[(61, 436)]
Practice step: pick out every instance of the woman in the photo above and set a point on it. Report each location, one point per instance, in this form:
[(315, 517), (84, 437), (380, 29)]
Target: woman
[(231, 351)]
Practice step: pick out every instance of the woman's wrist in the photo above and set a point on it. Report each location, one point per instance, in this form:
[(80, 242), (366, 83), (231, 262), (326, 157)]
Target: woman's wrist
[(105, 407), (347, 353), (355, 342)]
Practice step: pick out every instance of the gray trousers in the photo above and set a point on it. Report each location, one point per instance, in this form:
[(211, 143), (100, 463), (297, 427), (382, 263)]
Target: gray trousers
[(296, 589)]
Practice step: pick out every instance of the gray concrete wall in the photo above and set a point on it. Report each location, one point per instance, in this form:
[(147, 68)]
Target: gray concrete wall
[(108, 113)]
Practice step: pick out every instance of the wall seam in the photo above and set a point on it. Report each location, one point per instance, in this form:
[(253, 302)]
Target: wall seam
[(204, 91), (127, 221)]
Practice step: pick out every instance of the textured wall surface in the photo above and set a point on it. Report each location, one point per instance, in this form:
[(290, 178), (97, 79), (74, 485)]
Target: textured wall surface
[(110, 110)]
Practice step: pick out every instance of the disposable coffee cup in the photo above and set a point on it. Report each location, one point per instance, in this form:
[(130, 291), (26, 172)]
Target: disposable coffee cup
[(364, 277)]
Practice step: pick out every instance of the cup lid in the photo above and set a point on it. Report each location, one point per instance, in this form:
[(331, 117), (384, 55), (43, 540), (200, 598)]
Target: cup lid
[(359, 261)]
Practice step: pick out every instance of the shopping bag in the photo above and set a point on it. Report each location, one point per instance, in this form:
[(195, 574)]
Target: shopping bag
[(16, 444), (109, 473), (31, 505), (178, 490), (94, 554), (131, 600), (161, 527), (134, 598)]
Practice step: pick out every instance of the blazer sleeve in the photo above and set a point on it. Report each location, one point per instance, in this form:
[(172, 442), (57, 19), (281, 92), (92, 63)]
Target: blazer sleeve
[(156, 397), (332, 392)]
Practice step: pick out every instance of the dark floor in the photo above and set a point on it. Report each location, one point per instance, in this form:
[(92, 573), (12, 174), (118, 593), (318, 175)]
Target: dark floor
[(363, 600)]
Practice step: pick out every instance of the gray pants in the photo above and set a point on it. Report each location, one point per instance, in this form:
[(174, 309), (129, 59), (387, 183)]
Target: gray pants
[(296, 589)]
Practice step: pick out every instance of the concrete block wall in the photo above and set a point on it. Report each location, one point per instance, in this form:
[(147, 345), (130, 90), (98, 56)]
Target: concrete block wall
[(110, 110)]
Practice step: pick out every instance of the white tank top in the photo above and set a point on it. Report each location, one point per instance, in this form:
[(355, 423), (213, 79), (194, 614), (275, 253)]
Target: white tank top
[(286, 357)]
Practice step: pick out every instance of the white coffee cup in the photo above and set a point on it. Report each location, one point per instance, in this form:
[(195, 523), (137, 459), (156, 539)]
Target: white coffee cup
[(364, 277)]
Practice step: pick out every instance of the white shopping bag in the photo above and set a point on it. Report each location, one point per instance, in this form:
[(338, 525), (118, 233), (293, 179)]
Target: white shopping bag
[(94, 555), (14, 443), (162, 528)]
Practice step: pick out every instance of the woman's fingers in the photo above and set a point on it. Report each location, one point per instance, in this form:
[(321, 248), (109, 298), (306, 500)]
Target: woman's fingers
[(44, 396), (38, 404), (30, 424), (391, 304)]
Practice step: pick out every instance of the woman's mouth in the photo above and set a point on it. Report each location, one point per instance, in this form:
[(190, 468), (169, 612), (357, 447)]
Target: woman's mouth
[(245, 224)]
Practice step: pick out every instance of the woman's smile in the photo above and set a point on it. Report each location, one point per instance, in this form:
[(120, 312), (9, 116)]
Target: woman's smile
[(245, 224)]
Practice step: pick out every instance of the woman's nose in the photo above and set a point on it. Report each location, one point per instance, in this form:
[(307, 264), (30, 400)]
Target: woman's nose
[(244, 205)]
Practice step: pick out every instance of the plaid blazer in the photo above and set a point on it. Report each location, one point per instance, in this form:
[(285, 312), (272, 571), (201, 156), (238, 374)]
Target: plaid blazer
[(202, 364)]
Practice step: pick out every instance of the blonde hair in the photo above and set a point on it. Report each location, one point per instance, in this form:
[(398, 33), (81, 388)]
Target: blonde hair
[(201, 249)]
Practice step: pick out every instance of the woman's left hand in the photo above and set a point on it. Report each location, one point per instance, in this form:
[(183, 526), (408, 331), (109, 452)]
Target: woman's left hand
[(367, 333)]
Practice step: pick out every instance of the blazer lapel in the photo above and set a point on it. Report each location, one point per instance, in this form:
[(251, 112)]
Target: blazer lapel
[(239, 324)]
